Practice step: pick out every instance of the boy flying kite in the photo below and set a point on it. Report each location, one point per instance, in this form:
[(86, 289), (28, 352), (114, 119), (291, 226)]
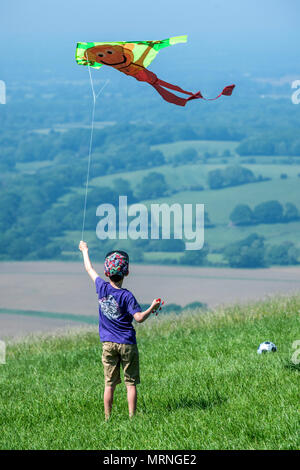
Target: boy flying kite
[(117, 309)]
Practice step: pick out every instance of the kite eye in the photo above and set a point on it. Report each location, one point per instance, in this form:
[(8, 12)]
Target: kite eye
[(110, 52), (100, 54)]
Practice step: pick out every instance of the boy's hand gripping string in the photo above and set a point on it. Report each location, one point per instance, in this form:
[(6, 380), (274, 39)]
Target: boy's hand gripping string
[(159, 306)]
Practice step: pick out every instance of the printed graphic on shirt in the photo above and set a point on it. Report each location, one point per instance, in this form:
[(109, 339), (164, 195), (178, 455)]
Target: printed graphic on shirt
[(110, 307)]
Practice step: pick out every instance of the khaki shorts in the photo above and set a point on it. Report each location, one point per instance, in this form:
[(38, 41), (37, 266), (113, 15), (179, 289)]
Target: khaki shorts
[(113, 356)]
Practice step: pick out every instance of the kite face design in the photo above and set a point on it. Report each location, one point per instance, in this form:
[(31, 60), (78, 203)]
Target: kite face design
[(133, 58), (113, 55)]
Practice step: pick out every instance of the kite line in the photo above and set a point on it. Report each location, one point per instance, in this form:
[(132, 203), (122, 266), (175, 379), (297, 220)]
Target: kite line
[(95, 96)]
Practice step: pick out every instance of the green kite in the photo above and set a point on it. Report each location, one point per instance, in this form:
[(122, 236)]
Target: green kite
[(133, 58)]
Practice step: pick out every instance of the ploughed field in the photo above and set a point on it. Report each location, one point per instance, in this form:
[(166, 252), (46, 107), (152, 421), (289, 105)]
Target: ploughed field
[(46, 296)]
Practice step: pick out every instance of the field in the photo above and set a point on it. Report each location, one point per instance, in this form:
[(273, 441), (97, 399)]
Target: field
[(47, 296), (214, 147), (203, 386), (186, 175), (219, 203)]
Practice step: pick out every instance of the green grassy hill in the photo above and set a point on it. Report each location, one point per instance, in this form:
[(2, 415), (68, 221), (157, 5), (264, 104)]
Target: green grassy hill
[(203, 386)]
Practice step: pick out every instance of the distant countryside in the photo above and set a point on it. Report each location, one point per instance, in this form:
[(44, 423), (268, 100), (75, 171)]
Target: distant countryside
[(247, 178)]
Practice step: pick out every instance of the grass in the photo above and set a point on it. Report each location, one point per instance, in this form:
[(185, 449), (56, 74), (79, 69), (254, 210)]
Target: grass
[(203, 385), (160, 256), (218, 203), (91, 319), (183, 176), (32, 167), (274, 234), (201, 146)]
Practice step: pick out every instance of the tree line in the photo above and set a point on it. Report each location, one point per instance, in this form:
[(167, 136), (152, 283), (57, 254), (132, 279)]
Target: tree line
[(268, 212)]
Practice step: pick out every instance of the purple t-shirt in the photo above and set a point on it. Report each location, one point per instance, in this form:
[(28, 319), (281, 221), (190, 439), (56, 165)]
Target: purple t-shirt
[(116, 310)]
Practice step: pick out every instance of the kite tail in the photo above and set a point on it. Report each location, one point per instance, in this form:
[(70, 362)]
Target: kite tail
[(227, 91), (170, 97), (149, 77)]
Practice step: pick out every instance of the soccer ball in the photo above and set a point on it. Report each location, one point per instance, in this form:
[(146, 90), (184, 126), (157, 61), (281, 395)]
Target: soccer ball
[(266, 346)]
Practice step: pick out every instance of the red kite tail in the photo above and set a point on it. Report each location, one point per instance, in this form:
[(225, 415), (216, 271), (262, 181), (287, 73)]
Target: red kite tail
[(227, 91), (171, 97), (149, 77)]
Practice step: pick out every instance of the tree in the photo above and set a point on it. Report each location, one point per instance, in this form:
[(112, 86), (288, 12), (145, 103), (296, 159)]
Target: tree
[(196, 305), (256, 145), (242, 215), (230, 176), (195, 257), (246, 253), (187, 156), (207, 221), (291, 212), (18, 248), (136, 255), (215, 179), (50, 251), (167, 245), (123, 188), (269, 212), (152, 186), (284, 254), (9, 204)]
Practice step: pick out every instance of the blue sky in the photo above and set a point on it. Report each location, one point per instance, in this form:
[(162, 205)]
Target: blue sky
[(157, 17), (230, 33)]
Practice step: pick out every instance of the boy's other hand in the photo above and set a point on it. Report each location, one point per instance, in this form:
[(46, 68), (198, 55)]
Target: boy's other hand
[(155, 304), (83, 246)]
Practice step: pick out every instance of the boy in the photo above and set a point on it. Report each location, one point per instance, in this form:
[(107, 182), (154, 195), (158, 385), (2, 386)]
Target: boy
[(117, 308)]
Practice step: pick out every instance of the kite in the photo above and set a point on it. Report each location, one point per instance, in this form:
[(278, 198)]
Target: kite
[(133, 58)]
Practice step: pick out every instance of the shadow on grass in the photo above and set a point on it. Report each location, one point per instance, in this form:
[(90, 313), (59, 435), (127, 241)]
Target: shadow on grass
[(196, 403), (293, 367)]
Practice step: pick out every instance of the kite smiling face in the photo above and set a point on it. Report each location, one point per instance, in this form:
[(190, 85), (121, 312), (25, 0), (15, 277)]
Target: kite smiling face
[(114, 55)]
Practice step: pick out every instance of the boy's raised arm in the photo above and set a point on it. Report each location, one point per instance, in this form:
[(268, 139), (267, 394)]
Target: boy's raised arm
[(87, 262)]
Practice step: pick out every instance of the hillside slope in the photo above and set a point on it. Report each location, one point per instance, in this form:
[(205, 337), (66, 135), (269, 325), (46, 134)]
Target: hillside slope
[(203, 385)]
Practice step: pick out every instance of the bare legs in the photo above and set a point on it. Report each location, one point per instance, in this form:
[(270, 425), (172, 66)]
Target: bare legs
[(108, 400), (109, 397), (132, 399)]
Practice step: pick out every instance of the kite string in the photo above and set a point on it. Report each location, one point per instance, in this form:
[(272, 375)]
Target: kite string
[(90, 146)]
